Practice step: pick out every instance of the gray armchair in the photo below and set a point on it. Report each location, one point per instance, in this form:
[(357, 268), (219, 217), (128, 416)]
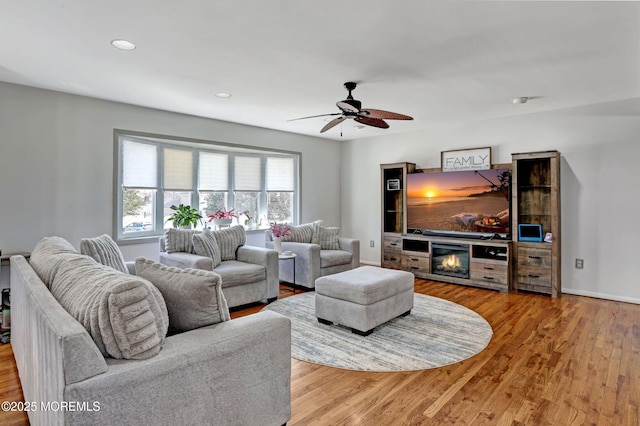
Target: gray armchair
[(252, 277), (312, 262)]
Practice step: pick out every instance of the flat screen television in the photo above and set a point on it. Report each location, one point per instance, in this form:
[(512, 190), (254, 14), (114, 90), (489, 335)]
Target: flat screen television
[(470, 203)]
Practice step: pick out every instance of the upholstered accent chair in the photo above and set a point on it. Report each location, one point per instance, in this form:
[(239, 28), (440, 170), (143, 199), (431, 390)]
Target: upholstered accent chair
[(249, 273), (319, 251)]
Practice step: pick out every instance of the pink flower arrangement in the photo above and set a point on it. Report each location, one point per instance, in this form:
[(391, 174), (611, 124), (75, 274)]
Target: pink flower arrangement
[(280, 230), (222, 214)]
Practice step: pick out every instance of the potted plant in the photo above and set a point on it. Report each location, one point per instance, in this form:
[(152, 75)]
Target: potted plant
[(279, 230), (222, 217), (247, 220), (184, 216)]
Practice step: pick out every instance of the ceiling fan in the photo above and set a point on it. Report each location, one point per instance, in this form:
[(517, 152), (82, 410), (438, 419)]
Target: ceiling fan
[(352, 108)]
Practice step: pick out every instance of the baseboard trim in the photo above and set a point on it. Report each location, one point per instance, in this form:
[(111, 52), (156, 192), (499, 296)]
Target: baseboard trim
[(593, 294), (601, 296)]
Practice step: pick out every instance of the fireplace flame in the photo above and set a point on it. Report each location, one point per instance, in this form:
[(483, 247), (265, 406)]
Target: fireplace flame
[(451, 262)]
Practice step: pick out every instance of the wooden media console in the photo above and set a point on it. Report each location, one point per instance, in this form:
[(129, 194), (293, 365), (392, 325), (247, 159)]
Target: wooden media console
[(477, 263)]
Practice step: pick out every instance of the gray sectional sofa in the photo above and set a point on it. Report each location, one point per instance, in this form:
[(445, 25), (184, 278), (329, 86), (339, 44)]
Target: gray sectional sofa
[(213, 375)]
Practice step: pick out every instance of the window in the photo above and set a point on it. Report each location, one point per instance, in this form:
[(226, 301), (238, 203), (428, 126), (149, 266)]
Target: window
[(155, 173), (280, 189), (213, 170), (138, 191)]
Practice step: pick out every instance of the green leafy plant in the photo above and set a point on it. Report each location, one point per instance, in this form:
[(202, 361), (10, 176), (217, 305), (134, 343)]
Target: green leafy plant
[(184, 216)]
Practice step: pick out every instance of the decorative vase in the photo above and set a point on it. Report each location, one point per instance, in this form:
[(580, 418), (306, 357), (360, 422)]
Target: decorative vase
[(222, 222), (277, 244)]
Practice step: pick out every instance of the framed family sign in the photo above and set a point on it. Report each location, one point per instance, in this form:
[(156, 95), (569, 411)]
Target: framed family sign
[(466, 159)]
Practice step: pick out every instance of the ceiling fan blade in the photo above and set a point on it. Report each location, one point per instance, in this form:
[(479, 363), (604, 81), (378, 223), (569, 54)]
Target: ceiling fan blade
[(346, 107), (385, 115), (332, 123), (314, 116), (375, 122)]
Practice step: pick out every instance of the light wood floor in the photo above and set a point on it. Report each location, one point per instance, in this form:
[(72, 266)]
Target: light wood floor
[(568, 361)]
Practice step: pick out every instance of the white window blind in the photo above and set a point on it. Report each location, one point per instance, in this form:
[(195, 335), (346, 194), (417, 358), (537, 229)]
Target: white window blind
[(213, 172), (139, 165), (154, 171), (247, 173), (178, 169), (280, 174)]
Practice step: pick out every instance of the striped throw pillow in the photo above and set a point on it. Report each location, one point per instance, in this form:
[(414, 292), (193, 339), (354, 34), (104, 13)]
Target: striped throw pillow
[(326, 237), (205, 244), (229, 239), (125, 315), (104, 251), (179, 240), (301, 233)]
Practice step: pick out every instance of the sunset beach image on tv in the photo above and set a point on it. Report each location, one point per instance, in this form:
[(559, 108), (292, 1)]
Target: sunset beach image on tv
[(468, 201)]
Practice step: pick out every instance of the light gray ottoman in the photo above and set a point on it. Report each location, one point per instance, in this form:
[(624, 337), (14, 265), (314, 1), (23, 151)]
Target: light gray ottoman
[(363, 298)]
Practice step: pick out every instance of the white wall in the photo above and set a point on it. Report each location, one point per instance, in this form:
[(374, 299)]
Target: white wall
[(56, 164), (56, 174), (600, 176)]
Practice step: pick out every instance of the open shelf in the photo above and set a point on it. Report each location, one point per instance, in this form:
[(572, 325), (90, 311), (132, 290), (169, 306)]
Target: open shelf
[(394, 196), (536, 200)]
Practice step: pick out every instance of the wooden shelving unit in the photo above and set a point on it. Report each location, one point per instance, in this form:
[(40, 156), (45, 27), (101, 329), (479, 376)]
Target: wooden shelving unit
[(394, 213), (522, 265), (413, 253), (536, 200)]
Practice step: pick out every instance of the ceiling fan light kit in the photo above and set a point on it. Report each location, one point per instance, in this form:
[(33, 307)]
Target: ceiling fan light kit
[(352, 108)]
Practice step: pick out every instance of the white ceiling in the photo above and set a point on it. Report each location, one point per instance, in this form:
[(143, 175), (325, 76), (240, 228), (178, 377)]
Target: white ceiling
[(440, 62)]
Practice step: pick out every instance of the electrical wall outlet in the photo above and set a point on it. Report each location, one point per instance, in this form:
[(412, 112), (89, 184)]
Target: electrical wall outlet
[(371, 243), (579, 263)]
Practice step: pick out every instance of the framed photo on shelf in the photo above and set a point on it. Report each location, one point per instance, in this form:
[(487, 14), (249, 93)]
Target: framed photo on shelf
[(393, 185), (466, 159)]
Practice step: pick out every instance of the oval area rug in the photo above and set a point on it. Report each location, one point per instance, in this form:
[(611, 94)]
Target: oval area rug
[(436, 333)]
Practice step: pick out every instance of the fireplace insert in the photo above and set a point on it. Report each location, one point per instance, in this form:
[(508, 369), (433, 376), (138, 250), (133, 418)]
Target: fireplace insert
[(451, 260)]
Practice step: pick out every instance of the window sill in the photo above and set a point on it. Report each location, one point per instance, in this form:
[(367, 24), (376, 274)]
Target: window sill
[(139, 240)]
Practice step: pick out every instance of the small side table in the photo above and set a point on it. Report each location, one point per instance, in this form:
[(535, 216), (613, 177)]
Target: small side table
[(292, 256)]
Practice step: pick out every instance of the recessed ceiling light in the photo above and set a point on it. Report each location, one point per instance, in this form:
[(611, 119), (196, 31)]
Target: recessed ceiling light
[(223, 95), (520, 100), (123, 44), (359, 127)]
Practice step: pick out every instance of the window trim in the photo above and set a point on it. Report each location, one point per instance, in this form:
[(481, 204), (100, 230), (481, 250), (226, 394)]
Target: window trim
[(196, 146)]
